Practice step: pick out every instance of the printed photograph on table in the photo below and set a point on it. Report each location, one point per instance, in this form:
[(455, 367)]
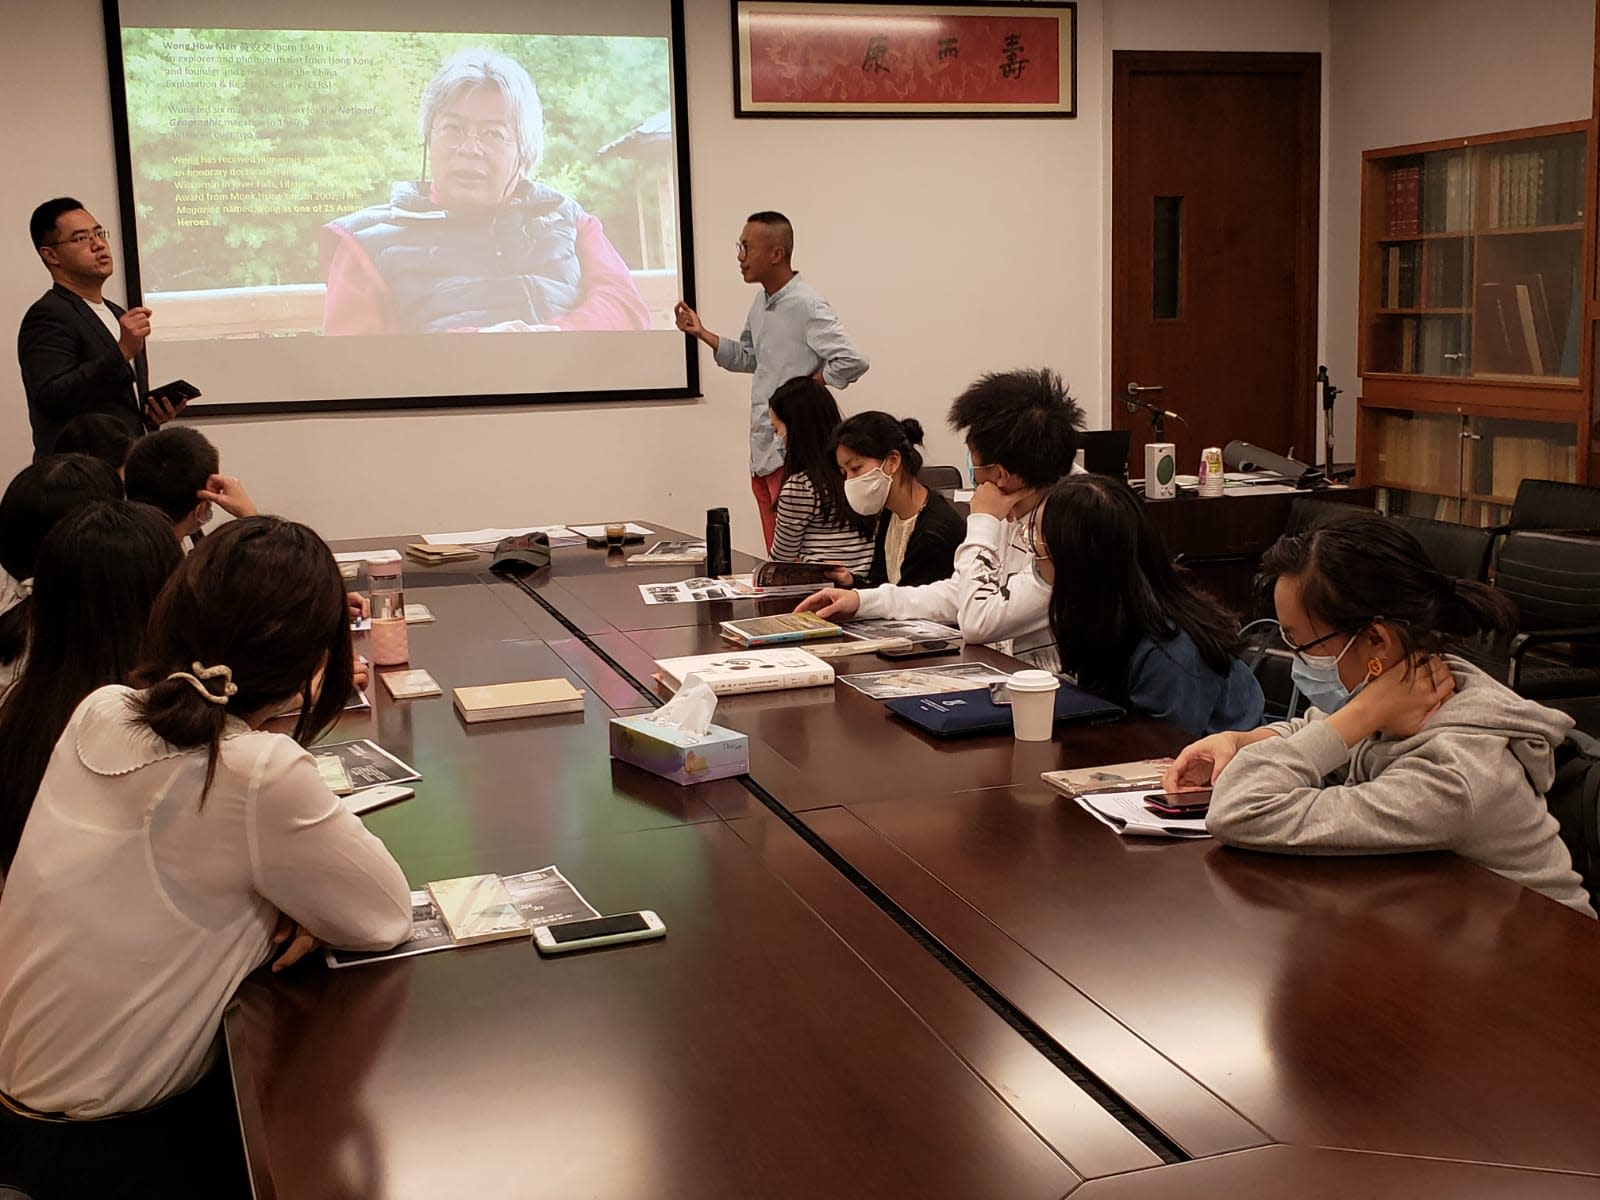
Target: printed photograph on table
[(904, 60), (925, 681)]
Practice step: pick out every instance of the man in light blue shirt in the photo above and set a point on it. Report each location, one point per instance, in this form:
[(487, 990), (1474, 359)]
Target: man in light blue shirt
[(791, 331)]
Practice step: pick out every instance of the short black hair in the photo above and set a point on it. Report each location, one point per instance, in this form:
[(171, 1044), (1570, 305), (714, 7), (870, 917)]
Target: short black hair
[(43, 222), (1024, 421), (97, 434), (780, 226), (167, 468)]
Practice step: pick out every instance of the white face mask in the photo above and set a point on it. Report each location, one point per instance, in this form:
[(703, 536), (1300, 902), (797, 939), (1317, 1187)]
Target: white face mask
[(868, 492)]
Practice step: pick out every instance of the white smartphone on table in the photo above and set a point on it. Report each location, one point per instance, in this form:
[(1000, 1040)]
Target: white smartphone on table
[(562, 936)]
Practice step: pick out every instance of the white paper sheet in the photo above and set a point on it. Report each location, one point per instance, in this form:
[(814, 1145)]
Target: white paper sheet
[(1125, 812)]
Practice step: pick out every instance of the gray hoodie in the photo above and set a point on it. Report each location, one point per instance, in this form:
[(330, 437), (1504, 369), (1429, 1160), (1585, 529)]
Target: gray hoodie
[(1471, 780)]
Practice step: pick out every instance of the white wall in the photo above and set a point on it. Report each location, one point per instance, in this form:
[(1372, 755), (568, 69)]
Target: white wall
[(948, 247), (1420, 71)]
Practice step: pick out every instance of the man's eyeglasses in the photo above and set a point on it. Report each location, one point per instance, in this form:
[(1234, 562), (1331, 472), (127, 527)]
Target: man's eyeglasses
[(83, 237), (453, 135)]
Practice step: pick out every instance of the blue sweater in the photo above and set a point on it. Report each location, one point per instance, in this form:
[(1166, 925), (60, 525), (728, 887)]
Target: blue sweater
[(1171, 681)]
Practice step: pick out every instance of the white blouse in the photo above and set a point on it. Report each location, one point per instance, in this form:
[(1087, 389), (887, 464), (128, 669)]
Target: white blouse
[(132, 911)]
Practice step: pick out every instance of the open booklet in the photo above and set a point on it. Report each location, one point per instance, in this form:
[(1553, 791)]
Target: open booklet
[(1114, 796), (541, 897)]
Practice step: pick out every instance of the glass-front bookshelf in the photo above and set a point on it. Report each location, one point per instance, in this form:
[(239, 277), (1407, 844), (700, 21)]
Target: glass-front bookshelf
[(1472, 319)]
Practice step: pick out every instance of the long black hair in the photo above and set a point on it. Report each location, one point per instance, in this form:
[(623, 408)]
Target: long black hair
[(1116, 585), (810, 415), (35, 500), (263, 597), (97, 576), (878, 435), (1362, 567)]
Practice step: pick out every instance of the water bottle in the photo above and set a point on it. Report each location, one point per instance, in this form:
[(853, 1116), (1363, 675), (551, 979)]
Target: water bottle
[(719, 544), (388, 642)]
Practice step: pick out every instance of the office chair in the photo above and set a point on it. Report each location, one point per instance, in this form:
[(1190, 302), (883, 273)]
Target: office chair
[(1552, 504), (942, 479)]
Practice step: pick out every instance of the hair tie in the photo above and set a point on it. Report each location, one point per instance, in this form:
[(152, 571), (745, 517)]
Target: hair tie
[(201, 674), (13, 591)]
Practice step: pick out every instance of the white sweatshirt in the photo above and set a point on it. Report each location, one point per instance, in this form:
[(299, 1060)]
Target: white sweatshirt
[(994, 595), (132, 912)]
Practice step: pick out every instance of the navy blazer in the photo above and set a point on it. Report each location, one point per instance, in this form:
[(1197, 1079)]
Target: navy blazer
[(72, 365)]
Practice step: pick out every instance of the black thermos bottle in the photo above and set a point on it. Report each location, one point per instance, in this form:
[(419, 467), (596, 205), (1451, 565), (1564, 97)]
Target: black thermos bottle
[(719, 547)]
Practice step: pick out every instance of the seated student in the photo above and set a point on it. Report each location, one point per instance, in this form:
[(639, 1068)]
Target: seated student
[(97, 576), (1022, 432), (918, 529), (1128, 623), (173, 842), (176, 469), (99, 435), (1405, 748), (814, 521), (40, 495)]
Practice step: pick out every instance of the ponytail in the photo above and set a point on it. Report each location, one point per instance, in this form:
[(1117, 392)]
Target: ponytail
[(1468, 608)]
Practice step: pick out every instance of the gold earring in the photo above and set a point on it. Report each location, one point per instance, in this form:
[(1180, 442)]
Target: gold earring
[(1374, 668)]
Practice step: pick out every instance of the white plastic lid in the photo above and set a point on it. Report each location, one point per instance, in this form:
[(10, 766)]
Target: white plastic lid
[(1033, 681)]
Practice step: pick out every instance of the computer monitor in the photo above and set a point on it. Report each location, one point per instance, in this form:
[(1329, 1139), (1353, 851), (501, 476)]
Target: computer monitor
[(1105, 451)]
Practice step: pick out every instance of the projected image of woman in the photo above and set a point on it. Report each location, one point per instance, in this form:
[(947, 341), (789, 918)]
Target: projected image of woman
[(479, 246)]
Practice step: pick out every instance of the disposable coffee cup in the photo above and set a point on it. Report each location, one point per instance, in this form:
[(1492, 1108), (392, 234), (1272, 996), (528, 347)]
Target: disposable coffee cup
[(1033, 704)]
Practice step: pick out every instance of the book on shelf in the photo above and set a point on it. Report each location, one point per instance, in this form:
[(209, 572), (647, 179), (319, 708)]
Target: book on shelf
[(1526, 323), (540, 897), (778, 629), (507, 701), (1401, 198), (761, 670)]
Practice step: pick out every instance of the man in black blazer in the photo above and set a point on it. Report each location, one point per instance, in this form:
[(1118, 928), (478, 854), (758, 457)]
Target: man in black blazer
[(79, 352)]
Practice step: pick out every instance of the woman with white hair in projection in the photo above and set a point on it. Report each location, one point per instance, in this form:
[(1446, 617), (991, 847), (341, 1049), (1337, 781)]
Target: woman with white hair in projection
[(479, 245)]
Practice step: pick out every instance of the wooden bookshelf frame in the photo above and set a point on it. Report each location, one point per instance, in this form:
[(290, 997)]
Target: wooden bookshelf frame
[(1566, 403)]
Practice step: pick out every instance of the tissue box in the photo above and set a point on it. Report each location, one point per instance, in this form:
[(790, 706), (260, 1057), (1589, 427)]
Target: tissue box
[(680, 757)]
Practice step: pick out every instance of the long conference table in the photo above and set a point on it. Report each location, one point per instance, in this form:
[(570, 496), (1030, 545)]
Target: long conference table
[(894, 966)]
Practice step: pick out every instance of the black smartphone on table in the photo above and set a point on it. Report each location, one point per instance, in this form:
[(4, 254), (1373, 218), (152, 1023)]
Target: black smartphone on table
[(1193, 803)]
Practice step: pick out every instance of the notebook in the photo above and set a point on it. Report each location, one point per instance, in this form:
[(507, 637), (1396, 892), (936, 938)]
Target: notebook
[(505, 701), (958, 714)]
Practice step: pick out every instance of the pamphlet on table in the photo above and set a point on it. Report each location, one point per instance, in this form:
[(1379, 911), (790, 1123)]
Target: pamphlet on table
[(540, 897)]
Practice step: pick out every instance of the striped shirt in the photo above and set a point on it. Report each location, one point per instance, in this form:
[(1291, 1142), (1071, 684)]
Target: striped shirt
[(802, 535)]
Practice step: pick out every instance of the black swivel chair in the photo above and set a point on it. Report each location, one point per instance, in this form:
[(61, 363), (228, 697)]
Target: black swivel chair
[(1459, 551), (941, 479), (1550, 504), (1555, 580)]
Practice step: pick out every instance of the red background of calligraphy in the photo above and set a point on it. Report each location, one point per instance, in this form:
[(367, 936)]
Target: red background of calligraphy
[(798, 57)]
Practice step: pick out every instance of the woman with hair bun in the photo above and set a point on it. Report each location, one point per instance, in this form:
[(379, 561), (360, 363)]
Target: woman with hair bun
[(1428, 752), (918, 530), (174, 846)]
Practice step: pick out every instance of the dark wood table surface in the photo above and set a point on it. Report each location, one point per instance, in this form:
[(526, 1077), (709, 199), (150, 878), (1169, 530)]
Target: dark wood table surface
[(1381, 1017), (1415, 1005), (785, 1039)]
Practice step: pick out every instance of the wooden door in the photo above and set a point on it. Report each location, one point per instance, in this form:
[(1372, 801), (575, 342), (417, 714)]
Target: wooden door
[(1214, 248)]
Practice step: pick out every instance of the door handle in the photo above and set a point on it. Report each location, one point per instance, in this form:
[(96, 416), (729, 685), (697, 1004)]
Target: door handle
[(1134, 389)]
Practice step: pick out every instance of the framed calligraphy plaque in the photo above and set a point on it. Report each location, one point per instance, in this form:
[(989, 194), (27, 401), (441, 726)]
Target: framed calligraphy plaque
[(797, 59)]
